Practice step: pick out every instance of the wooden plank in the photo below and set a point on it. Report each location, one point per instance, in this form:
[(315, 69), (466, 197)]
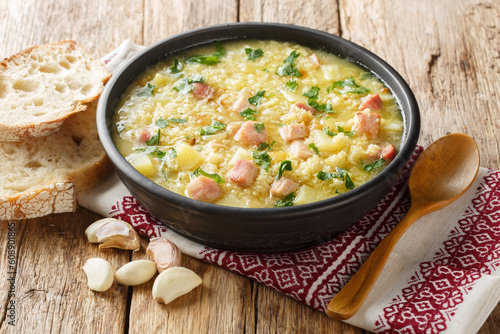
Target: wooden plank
[(449, 56), (319, 14), (222, 304), (51, 288), (166, 18), (98, 25)]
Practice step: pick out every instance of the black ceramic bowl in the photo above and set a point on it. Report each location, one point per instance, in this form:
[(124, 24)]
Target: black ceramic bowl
[(266, 229)]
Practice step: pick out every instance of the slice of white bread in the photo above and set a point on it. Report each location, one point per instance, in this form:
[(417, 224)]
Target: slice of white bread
[(42, 86), (43, 176)]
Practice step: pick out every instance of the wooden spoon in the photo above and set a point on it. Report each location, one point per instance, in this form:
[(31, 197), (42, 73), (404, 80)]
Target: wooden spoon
[(441, 175)]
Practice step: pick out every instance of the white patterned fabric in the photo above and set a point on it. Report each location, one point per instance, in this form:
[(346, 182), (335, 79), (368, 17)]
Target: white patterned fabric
[(442, 277)]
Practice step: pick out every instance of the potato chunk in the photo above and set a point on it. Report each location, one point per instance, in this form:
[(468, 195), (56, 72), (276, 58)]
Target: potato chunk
[(188, 158)]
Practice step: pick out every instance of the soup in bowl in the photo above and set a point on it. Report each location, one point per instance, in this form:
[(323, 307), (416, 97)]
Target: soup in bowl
[(258, 137)]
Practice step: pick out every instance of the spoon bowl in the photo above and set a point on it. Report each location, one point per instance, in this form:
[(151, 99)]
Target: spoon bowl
[(441, 175)]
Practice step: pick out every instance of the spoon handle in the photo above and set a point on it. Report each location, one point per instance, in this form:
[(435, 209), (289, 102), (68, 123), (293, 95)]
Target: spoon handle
[(350, 298)]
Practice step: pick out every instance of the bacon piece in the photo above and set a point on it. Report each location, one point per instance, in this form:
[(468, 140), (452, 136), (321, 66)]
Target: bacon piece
[(388, 153), (283, 187), (299, 149), (314, 60), (372, 102), (305, 107), (243, 173), (203, 189), (366, 123), (241, 104), (143, 135), (203, 91), (293, 131), (248, 134)]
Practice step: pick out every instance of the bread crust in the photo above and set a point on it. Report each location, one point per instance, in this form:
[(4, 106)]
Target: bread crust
[(54, 197), (30, 127)]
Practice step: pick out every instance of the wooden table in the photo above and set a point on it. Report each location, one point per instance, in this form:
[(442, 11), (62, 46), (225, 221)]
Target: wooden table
[(448, 51)]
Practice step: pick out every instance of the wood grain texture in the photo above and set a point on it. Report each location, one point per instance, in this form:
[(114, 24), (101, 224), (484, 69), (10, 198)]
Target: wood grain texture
[(449, 52)]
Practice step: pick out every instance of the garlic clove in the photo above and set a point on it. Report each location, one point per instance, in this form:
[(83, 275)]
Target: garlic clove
[(118, 234), (136, 272), (91, 231), (174, 282), (99, 274), (165, 253)]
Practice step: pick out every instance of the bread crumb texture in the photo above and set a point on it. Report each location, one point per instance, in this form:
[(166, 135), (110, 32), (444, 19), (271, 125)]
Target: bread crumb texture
[(42, 86)]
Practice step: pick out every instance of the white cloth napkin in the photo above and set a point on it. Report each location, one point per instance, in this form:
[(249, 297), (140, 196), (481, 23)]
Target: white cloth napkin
[(442, 277)]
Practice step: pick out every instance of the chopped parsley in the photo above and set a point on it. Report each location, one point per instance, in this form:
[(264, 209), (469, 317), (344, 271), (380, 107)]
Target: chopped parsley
[(255, 100), (339, 174), (259, 127), (292, 85), (171, 153), (177, 120), (265, 145), (248, 114), (216, 177), (209, 60), (155, 139), (326, 112), (348, 86), (184, 86), (262, 159), (176, 67), (288, 67), (161, 122), (312, 93), (254, 54), (368, 75), (119, 127), (147, 91), (374, 165), (313, 147), (325, 107), (212, 128), (327, 131), (284, 166), (347, 133), (286, 201)]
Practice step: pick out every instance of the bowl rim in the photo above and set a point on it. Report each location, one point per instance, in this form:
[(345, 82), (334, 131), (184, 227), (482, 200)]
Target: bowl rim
[(410, 135)]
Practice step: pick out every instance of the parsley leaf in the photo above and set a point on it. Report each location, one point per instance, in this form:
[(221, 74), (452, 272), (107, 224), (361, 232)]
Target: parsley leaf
[(288, 67), (325, 112), (313, 147), (286, 201), (262, 159), (326, 107), (292, 85), (312, 93), (155, 139), (368, 75), (177, 120), (349, 86), (119, 127), (248, 114), (184, 86), (374, 165), (148, 90), (265, 145), (216, 177), (284, 166), (347, 133), (212, 128), (176, 67), (161, 122), (209, 60), (259, 127), (339, 174), (327, 131), (255, 100), (254, 54)]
